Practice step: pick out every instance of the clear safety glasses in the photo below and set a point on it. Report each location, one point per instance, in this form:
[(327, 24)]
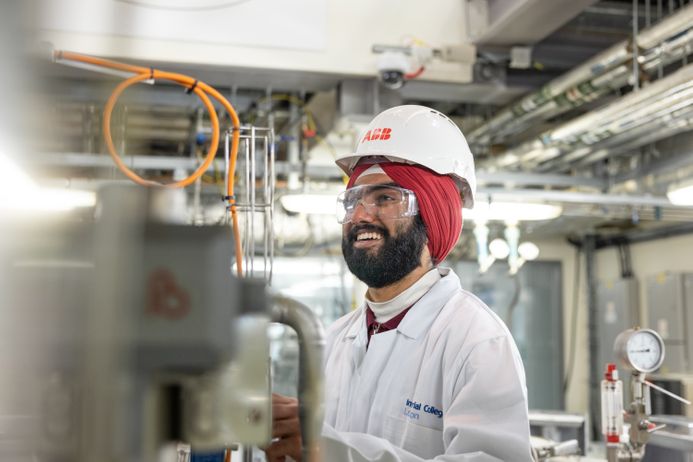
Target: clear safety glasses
[(384, 200)]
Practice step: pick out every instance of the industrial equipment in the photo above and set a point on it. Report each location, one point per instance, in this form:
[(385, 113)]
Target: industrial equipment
[(157, 346), (626, 431), (146, 340), (641, 351)]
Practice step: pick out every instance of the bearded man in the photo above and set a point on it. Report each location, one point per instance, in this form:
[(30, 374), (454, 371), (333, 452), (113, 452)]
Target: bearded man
[(423, 369)]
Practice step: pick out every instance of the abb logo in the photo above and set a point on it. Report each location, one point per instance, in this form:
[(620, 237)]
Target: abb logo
[(377, 134)]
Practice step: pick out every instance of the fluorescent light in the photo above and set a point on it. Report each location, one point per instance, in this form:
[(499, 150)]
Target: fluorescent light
[(512, 211), (313, 204), (681, 194)]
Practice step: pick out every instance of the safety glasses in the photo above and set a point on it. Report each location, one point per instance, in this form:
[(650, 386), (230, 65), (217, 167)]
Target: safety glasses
[(384, 200)]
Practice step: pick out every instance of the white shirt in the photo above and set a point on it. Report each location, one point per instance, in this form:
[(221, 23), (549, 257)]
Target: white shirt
[(448, 384)]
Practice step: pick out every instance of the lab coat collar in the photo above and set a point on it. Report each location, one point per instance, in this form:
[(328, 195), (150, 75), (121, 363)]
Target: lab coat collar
[(421, 314), (358, 324)]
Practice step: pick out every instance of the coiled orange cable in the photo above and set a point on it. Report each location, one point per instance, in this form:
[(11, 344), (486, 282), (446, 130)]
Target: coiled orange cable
[(201, 89)]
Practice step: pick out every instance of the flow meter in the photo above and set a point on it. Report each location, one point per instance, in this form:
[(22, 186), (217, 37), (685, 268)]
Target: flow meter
[(639, 350)]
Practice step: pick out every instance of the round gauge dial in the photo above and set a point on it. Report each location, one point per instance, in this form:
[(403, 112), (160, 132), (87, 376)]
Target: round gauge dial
[(641, 350)]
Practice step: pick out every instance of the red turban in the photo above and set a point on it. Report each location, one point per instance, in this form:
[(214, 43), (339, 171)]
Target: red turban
[(439, 202)]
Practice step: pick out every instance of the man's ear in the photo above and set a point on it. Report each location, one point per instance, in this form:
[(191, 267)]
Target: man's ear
[(426, 259)]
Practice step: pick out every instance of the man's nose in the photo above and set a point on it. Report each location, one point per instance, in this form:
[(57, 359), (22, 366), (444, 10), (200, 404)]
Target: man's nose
[(363, 213)]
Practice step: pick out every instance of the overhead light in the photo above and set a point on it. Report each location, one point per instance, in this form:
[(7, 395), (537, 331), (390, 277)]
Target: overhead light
[(512, 211), (12, 178), (312, 204), (47, 200), (20, 194), (681, 193), (528, 251), (499, 249)]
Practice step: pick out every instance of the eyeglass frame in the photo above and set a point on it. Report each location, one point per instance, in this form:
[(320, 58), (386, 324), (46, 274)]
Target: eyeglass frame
[(408, 199)]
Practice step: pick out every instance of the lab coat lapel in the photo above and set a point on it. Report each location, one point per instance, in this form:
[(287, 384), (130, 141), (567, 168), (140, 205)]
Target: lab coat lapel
[(359, 338)]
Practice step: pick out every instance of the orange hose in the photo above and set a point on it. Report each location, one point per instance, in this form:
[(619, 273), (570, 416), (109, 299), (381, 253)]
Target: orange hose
[(201, 89)]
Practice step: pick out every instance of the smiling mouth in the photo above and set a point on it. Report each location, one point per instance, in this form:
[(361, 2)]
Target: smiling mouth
[(370, 236)]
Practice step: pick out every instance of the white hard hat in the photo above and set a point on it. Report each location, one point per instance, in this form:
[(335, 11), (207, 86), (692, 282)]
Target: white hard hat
[(418, 135)]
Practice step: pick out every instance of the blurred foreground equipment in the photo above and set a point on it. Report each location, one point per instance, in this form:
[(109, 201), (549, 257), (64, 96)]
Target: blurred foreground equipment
[(131, 336)]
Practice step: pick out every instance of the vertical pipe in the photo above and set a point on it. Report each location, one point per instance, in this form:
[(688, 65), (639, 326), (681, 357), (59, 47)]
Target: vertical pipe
[(592, 317), (294, 150), (246, 209), (265, 203), (197, 191), (269, 188), (227, 138), (271, 200), (253, 141), (636, 76), (311, 342), (660, 68)]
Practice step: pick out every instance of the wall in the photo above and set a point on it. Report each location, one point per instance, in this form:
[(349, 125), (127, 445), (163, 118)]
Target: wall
[(577, 396), (648, 258), (342, 33)]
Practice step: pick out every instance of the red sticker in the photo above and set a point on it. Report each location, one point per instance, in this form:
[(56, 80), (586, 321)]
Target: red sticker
[(165, 297)]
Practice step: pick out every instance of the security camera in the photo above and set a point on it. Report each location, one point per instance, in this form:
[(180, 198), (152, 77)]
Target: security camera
[(392, 68)]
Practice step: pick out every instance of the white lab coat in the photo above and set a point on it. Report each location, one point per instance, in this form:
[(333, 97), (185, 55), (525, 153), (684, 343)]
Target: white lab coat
[(448, 384)]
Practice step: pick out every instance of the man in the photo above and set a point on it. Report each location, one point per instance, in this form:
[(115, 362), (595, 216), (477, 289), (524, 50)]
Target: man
[(423, 369)]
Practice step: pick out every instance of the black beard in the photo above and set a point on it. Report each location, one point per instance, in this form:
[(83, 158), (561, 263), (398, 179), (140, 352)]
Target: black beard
[(397, 257)]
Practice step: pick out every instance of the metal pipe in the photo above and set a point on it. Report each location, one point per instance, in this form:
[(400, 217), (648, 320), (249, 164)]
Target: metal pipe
[(665, 128), (311, 341), (503, 194), (636, 71), (273, 188), (589, 248), (600, 64), (606, 122), (663, 124), (678, 81), (664, 54), (251, 199)]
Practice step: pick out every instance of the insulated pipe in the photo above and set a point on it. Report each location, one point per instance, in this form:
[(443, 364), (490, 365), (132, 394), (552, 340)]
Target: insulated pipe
[(311, 342), (619, 117), (665, 129), (599, 86), (661, 124), (616, 55), (678, 81)]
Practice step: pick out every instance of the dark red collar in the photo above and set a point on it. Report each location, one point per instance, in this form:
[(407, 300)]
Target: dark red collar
[(374, 327)]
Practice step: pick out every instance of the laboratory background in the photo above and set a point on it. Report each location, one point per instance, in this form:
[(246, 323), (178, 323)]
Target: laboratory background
[(140, 322)]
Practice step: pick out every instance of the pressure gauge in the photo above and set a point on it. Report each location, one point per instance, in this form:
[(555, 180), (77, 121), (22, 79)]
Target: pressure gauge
[(640, 350)]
